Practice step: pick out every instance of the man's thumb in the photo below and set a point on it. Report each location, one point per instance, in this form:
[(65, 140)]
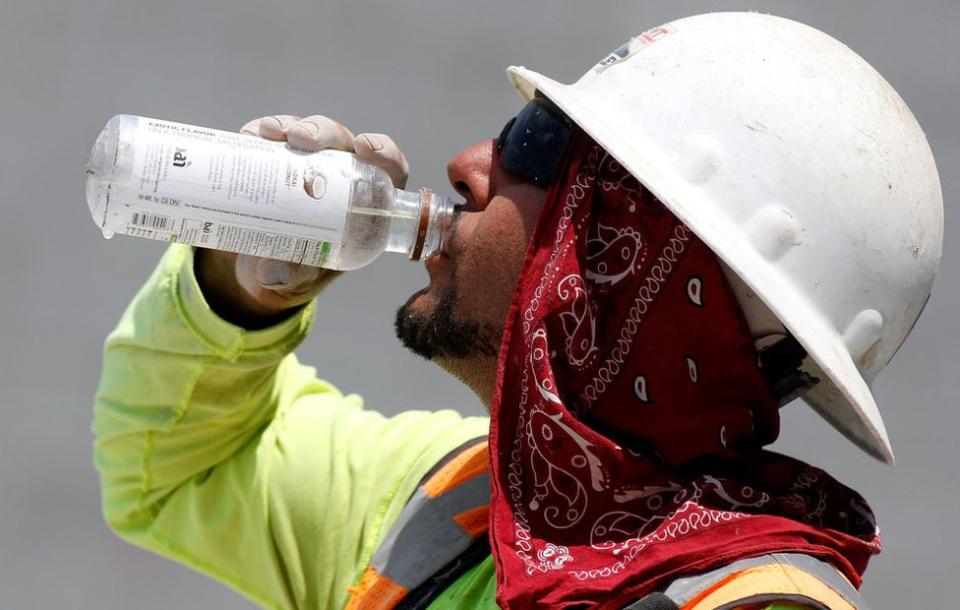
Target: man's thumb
[(285, 277)]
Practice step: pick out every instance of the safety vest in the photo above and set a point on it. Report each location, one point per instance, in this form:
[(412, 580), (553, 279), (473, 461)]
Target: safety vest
[(442, 532)]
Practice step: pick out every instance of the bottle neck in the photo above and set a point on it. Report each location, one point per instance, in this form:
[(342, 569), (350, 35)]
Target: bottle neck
[(420, 223)]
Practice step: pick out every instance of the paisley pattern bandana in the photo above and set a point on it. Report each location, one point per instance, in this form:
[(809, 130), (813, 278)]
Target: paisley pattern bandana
[(630, 413)]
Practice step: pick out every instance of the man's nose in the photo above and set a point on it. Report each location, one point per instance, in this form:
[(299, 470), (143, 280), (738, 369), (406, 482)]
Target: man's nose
[(470, 173)]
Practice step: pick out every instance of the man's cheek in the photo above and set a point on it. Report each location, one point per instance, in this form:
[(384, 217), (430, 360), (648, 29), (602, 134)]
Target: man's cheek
[(485, 284)]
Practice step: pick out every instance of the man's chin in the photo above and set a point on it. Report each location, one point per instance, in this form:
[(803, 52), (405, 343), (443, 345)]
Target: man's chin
[(427, 326)]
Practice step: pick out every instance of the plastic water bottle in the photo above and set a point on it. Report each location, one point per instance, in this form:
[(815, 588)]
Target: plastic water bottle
[(216, 189)]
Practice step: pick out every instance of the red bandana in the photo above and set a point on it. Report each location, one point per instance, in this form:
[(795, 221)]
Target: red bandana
[(630, 412)]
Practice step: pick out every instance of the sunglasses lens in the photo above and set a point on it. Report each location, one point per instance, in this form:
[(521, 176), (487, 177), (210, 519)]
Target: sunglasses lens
[(531, 143), (504, 134)]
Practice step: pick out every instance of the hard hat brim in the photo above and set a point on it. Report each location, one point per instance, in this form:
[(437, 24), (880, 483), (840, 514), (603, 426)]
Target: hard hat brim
[(842, 397)]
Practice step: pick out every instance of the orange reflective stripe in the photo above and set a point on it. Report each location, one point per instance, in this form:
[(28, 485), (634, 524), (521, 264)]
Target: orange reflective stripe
[(375, 592), (694, 602), (461, 484), (474, 521), (752, 584), (467, 464)]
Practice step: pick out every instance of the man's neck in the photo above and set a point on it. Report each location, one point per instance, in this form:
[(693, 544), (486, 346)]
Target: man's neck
[(479, 374)]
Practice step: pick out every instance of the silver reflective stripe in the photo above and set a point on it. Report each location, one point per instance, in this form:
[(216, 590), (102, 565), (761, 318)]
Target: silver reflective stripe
[(425, 538), (803, 601), (683, 590)]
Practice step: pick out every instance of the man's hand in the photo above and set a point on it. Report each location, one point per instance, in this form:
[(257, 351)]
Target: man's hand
[(257, 292)]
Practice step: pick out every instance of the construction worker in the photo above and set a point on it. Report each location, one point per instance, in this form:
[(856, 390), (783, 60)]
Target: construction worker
[(729, 211)]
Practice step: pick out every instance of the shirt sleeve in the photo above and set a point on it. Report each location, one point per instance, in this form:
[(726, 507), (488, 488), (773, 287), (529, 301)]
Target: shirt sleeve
[(217, 448)]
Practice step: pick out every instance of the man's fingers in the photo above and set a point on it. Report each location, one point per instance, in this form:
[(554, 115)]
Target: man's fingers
[(380, 150), (318, 132), (251, 128), (272, 127), (276, 126)]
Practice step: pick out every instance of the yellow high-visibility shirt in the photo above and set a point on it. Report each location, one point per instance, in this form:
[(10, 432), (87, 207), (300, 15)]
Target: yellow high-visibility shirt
[(217, 448)]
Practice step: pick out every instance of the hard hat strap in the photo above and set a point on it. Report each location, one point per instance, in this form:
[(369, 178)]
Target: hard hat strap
[(782, 366)]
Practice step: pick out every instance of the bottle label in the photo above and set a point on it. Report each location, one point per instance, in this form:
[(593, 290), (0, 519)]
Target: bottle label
[(233, 192)]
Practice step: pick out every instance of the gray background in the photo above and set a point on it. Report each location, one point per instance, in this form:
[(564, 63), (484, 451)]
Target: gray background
[(431, 74)]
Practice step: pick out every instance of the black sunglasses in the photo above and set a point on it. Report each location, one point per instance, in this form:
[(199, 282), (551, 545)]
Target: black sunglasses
[(531, 142)]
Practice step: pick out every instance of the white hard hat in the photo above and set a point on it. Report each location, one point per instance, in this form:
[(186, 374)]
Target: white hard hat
[(798, 165)]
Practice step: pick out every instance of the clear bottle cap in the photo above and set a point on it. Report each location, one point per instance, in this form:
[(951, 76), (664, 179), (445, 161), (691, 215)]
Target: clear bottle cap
[(421, 224)]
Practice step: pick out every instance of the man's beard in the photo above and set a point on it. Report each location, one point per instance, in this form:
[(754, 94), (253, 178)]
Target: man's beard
[(439, 334)]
